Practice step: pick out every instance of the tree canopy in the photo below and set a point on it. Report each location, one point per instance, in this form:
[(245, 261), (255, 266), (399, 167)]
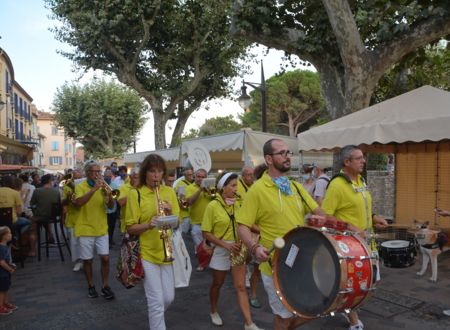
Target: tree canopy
[(351, 43), (213, 126), (429, 66), (293, 99), (175, 54), (104, 116)]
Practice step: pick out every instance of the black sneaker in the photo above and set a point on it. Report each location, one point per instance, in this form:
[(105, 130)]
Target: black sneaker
[(107, 293), (92, 293)]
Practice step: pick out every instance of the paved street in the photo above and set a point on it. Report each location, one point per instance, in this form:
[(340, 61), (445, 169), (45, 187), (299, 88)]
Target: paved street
[(51, 296)]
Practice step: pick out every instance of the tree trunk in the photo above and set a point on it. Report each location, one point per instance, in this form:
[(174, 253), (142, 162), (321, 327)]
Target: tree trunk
[(179, 128), (159, 127)]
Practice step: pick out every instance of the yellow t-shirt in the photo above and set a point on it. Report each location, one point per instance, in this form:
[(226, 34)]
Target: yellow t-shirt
[(72, 210), (217, 220), (10, 198), (345, 204), (184, 213), (124, 191), (242, 189), (91, 220), (274, 212), (142, 212), (197, 209)]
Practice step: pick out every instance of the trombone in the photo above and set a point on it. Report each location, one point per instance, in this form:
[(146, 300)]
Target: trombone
[(115, 193), (67, 181)]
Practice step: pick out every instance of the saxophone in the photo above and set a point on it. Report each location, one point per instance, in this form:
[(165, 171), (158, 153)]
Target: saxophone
[(164, 230)]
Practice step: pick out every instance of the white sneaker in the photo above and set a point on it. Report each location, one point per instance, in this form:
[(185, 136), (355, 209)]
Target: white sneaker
[(446, 312), (216, 319), (77, 267), (359, 326), (252, 326)]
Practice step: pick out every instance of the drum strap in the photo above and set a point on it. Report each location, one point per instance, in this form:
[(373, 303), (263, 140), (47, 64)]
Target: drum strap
[(301, 196), (232, 220), (243, 184)]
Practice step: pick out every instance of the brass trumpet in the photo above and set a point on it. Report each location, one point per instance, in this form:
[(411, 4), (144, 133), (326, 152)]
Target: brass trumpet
[(115, 193), (164, 230), (209, 184)]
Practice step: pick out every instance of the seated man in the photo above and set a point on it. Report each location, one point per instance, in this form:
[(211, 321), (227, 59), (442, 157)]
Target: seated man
[(42, 203)]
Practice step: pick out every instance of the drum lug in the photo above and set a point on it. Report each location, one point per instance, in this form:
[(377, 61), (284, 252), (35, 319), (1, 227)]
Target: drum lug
[(346, 257), (346, 290), (368, 289), (368, 257)]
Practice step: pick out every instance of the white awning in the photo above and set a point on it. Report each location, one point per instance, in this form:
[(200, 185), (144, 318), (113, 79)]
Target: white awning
[(419, 115), (170, 155)]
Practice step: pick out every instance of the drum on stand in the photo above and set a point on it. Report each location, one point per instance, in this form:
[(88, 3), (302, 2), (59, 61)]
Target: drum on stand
[(398, 253), (323, 271)]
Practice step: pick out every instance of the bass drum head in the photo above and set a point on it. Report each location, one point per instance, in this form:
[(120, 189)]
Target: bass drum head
[(307, 272)]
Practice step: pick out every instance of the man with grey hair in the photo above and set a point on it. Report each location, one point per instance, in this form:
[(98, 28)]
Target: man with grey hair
[(91, 226), (348, 200)]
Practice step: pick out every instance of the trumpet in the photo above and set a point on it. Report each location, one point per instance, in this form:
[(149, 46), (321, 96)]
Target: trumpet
[(164, 229), (182, 201), (115, 193), (209, 184)]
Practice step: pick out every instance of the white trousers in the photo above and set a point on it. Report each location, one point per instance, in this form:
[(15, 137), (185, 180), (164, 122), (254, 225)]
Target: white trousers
[(74, 245), (159, 286), (197, 236), (185, 225)]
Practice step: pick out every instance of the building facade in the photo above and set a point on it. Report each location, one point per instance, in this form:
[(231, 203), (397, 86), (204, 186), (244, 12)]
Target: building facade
[(57, 151), (17, 141)]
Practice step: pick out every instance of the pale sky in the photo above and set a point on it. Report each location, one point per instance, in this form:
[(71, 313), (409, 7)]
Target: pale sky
[(40, 70)]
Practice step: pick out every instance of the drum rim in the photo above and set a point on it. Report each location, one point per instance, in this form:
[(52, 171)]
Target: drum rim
[(276, 281), (396, 247)]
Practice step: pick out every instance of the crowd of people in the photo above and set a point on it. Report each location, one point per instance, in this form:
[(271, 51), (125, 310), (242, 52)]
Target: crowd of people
[(239, 219)]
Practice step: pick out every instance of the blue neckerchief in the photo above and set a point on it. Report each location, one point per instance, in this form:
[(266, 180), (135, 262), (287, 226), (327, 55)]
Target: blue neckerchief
[(90, 182), (283, 184)]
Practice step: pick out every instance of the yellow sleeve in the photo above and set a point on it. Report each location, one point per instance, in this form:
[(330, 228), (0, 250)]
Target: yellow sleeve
[(247, 213), (133, 213), (332, 199), (208, 218), (17, 199), (308, 202), (174, 202)]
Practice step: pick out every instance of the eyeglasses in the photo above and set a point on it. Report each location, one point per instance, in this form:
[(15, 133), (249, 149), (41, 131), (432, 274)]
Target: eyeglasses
[(92, 171), (358, 158), (283, 153)]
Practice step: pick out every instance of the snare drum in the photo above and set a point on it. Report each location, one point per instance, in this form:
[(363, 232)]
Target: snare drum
[(398, 253), (321, 271)]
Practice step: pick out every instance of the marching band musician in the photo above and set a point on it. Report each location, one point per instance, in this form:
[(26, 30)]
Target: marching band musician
[(91, 227), (70, 216), (180, 187), (220, 228), (347, 199), (141, 215), (198, 199), (277, 205), (124, 191)]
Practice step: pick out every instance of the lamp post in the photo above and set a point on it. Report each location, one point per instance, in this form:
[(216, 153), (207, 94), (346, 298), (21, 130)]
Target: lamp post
[(245, 100)]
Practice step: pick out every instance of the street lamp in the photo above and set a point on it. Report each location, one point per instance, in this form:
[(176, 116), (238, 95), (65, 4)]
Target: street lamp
[(245, 100)]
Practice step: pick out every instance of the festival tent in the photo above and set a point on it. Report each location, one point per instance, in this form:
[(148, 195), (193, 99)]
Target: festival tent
[(414, 126), (229, 151)]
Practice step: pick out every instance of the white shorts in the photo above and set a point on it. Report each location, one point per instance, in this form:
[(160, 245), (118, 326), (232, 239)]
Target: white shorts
[(221, 259), (275, 303), (88, 243)]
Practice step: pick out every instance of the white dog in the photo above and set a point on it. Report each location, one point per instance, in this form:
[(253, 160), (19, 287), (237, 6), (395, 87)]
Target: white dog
[(430, 246)]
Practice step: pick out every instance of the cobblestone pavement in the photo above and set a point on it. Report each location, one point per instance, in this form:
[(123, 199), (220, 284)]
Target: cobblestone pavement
[(51, 296)]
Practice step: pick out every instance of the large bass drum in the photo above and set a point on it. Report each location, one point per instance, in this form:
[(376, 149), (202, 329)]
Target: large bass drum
[(322, 271)]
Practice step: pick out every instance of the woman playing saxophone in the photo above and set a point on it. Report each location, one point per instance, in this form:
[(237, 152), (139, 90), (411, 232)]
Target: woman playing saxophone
[(219, 227), (143, 209)]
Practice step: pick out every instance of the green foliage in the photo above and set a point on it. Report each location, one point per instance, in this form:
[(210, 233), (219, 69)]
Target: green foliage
[(376, 162), (350, 43), (176, 54), (293, 99), (214, 126), (104, 116), (428, 66)]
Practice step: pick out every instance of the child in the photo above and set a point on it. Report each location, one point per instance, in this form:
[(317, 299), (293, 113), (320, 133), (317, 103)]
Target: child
[(6, 269)]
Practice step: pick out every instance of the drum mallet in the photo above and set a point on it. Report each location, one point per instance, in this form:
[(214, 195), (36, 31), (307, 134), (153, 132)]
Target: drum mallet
[(278, 243)]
